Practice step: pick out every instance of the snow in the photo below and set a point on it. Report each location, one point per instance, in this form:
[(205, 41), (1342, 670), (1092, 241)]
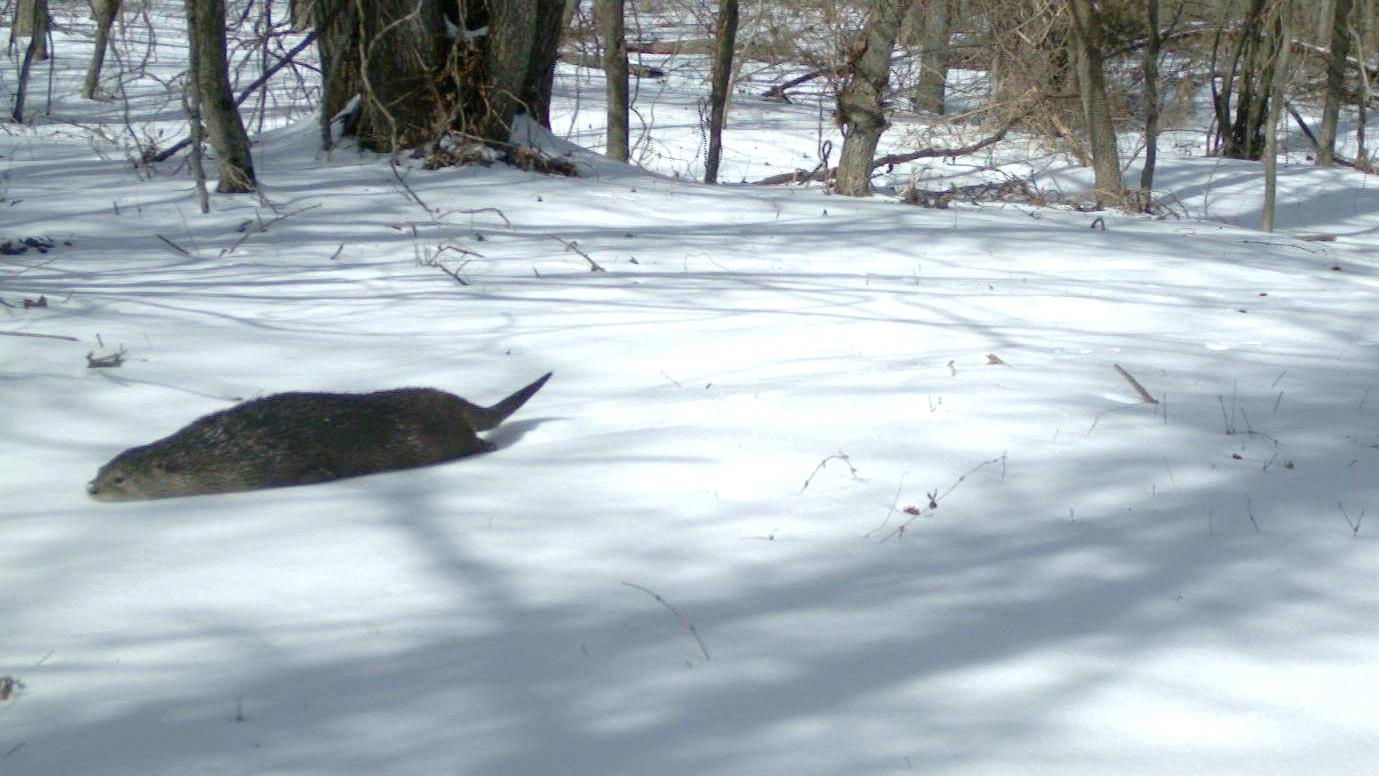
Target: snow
[(667, 566)]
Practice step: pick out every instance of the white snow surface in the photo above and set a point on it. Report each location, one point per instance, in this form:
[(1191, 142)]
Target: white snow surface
[(691, 553)]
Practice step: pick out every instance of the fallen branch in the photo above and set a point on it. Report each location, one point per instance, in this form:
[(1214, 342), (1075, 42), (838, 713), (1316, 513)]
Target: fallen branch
[(799, 176), (43, 336), (571, 245), (777, 92), (473, 211), (1312, 139), (250, 229), (1129, 378), (594, 63), (972, 148), (110, 361), (173, 245)]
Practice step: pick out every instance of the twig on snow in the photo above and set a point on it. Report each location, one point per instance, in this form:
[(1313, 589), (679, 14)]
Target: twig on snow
[(173, 245), (935, 497), (571, 245), (838, 456), (506, 222), (44, 336), (249, 229), (1136, 385), (894, 502), (703, 650), (1354, 524)]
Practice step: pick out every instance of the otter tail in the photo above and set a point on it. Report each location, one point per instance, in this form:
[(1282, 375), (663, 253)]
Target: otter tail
[(485, 418)]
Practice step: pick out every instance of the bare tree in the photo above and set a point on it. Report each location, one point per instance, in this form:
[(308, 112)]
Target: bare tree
[(105, 12), (37, 25), (425, 68), (1090, 34), (1242, 136), (725, 39), (302, 13), (1360, 32), (934, 21), (1335, 79), (508, 55), (31, 19), (1283, 26), (1153, 45), (551, 22), (867, 69), (608, 15), (209, 76)]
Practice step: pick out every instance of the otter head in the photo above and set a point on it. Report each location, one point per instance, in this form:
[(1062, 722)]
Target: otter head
[(131, 476)]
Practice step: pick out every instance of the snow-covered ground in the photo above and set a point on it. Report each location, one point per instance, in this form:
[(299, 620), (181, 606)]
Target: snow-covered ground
[(708, 545)]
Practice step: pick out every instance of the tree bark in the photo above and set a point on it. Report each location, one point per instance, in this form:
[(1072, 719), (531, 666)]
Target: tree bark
[(1089, 31), (933, 56), (389, 53), (1283, 26), (551, 24), (38, 14), (860, 112), (31, 19), (198, 144), (105, 12), (1360, 33), (302, 14), (1241, 137), (1335, 80), (422, 72), (725, 40), (608, 17), (508, 48), (1153, 44), (209, 76)]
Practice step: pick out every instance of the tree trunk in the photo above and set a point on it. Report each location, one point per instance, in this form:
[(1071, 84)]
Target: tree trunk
[(1360, 33), (419, 83), (198, 144), (550, 26), (933, 56), (105, 12), (302, 13), (1241, 136), (334, 21), (388, 52), (1089, 31), (209, 75), (1283, 26), (31, 19), (38, 14), (608, 17), (860, 113), (509, 48), (725, 40), (1335, 80), (1153, 44)]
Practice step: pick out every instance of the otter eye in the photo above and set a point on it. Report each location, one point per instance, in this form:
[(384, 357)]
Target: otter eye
[(119, 480)]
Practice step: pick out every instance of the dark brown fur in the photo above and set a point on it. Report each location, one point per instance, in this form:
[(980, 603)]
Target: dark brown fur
[(303, 438)]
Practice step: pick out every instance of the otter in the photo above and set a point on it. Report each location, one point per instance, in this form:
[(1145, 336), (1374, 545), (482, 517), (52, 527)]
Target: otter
[(304, 438)]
